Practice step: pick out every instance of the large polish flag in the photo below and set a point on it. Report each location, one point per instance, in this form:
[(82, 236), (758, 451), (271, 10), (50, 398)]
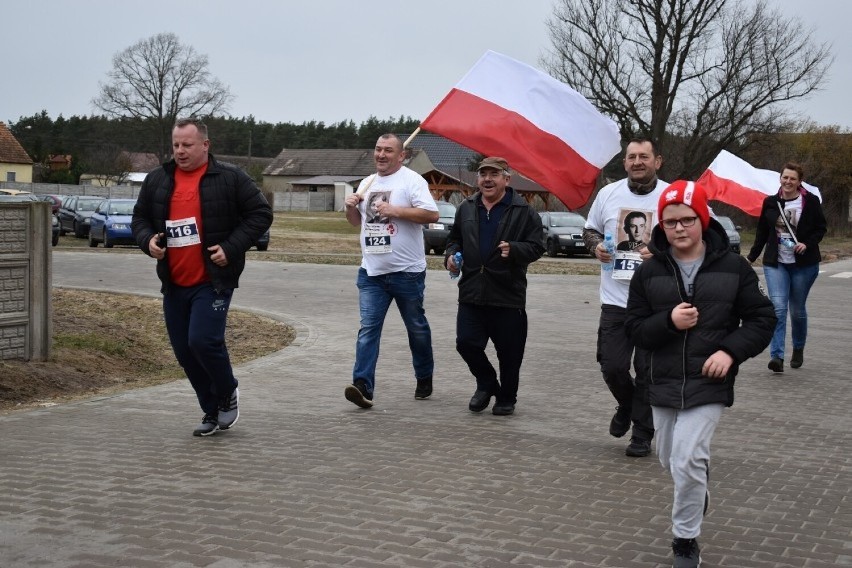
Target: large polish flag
[(546, 130), (734, 181)]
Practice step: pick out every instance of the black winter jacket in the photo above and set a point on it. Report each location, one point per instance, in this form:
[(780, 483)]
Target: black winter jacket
[(234, 214), (734, 315), (499, 281), (810, 230)]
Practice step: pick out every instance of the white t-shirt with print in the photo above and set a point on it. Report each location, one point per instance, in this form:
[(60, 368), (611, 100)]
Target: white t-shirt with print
[(394, 245), (608, 213), (793, 211)]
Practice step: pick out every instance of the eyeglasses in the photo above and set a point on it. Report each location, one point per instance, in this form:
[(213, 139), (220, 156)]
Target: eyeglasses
[(684, 222)]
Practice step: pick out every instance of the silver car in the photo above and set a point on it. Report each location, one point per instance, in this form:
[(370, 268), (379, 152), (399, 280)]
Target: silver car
[(733, 232)]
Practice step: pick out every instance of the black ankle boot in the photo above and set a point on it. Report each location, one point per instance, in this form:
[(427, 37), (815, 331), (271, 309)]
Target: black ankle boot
[(798, 358)]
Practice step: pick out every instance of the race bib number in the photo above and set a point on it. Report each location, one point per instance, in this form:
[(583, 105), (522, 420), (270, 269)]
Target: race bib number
[(182, 233), (625, 264), (377, 237), (377, 244)]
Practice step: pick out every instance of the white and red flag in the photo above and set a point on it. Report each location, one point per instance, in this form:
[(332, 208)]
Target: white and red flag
[(545, 129), (734, 181)]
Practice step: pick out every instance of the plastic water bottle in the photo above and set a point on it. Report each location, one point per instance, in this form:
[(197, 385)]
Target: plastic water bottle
[(457, 258), (788, 242), (609, 245)]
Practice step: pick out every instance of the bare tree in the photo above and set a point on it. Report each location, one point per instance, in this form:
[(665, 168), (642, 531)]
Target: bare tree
[(109, 164), (159, 79), (696, 75)]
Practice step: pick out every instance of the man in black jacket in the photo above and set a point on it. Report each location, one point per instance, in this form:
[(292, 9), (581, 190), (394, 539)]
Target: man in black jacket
[(499, 235), (198, 217)]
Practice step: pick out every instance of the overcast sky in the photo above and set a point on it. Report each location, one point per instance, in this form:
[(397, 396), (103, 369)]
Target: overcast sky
[(324, 60)]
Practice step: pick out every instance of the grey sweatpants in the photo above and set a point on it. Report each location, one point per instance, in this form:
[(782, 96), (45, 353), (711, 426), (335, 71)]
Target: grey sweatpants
[(683, 446)]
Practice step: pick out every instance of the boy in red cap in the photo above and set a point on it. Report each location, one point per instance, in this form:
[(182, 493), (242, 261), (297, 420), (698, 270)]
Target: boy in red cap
[(698, 309)]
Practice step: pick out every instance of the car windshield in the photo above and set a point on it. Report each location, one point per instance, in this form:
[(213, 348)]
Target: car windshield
[(446, 209), (87, 204), (727, 223), (121, 208), (567, 220)]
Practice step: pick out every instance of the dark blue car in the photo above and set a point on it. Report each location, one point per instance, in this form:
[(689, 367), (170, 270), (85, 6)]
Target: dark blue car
[(110, 223)]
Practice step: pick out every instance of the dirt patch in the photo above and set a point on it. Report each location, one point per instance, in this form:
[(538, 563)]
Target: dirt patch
[(105, 343)]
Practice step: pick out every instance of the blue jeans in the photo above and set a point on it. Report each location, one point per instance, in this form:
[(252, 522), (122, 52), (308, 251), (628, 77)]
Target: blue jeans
[(789, 284), (195, 320), (375, 295)]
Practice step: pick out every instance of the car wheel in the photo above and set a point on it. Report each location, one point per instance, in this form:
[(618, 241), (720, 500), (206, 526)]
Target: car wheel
[(54, 239), (107, 244), (439, 251), (61, 230), (262, 247), (92, 242), (552, 248), (426, 248), (78, 232)]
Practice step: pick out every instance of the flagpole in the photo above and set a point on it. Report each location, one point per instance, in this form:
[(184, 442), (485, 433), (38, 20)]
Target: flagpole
[(410, 138), (367, 185)]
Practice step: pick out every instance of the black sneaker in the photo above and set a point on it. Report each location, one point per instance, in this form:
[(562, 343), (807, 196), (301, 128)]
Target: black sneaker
[(798, 358), (776, 365), (503, 409), (686, 553), (229, 410), (620, 423), (424, 388), (357, 394), (638, 448), (209, 425)]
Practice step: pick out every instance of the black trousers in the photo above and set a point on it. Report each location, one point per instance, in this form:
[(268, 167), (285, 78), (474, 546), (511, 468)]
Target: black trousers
[(507, 330), (614, 351)]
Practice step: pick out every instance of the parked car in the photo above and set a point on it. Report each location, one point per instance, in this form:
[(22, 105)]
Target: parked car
[(110, 223), (435, 234), (54, 237), (16, 196), (733, 232), (263, 242), (54, 200), (563, 232), (75, 214)]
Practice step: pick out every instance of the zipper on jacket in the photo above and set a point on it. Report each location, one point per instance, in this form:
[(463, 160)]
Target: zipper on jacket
[(681, 291)]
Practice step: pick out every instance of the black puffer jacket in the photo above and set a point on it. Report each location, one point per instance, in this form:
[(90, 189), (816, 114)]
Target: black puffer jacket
[(734, 315), (810, 230), (234, 214), (498, 281)]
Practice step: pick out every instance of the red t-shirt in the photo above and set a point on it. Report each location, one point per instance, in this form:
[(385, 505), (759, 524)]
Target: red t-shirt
[(185, 251)]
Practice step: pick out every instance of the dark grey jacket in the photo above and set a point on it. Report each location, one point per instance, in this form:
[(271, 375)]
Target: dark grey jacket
[(734, 315), (234, 214), (498, 281)]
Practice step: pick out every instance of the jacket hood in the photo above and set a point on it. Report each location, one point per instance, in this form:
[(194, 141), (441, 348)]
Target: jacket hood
[(715, 237)]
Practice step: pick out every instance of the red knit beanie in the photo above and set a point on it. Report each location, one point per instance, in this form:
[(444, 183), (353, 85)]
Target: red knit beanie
[(689, 193)]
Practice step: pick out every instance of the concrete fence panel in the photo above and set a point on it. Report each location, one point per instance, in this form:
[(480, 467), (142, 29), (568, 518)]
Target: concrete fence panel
[(26, 328)]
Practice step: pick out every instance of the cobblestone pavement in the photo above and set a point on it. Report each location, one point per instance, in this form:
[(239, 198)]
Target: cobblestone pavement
[(308, 479)]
